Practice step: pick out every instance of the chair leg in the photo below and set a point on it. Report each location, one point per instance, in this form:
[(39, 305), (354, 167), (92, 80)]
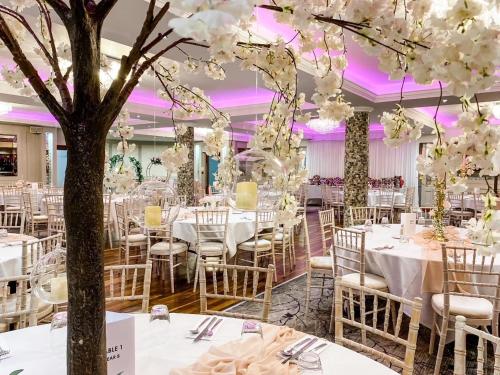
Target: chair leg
[(171, 266), (442, 342), (332, 315), (433, 333), (274, 262), (198, 257), (308, 293), (188, 276)]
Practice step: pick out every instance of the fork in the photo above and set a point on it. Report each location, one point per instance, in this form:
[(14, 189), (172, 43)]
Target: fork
[(3, 352), (197, 329)]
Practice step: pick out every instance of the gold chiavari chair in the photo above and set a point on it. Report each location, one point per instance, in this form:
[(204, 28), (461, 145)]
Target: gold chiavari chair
[(211, 235), (13, 221), (136, 288), (12, 198), (409, 198), (236, 287), (32, 251), (458, 211), (35, 221), (163, 250), (321, 266), (18, 307), (349, 263), (483, 338), (128, 240), (359, 215), (56, 223), (345, 294), (385, 204), (262, 244), (471, 287)]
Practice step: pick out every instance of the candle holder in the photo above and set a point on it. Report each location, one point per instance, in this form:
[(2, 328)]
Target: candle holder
[(152, 193), (48, 278), (257, 182)]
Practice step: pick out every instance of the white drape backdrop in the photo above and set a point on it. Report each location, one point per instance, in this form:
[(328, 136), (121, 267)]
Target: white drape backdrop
[(327, 160)]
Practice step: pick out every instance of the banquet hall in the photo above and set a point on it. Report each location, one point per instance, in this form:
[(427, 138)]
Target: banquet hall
[(249, 187)]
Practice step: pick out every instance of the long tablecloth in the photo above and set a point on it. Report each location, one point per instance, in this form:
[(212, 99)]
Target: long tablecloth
[(160, 350), (404, 266), (314, 192)]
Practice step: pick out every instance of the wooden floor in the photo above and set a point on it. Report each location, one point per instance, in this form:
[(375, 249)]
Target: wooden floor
[(184, 300)]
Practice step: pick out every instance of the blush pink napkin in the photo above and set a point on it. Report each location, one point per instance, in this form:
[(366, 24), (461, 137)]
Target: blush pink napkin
[(432, 266), (254, 356)]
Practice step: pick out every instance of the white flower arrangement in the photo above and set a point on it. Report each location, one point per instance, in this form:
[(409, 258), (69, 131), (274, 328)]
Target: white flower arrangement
[(174, 157)]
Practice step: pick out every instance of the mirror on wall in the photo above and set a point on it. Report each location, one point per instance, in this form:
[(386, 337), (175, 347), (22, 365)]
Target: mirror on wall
[(8, 155)]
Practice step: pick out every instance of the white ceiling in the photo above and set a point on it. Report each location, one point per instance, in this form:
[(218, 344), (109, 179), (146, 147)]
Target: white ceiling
[(241, 94)]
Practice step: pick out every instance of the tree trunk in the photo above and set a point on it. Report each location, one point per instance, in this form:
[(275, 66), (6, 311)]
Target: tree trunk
[(185, 176), (356, 163), (83, 211)]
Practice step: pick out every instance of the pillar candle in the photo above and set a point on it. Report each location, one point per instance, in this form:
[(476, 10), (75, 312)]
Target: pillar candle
[(246, 195), (152, 216), (59, 288)]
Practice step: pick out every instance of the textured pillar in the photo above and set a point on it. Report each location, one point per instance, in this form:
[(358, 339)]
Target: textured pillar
[(185, 175), (356, 163)]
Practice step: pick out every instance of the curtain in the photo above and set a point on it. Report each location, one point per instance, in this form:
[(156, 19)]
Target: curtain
[(327, 160)]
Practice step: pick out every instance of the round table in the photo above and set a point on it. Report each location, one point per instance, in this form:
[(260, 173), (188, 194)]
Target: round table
[(30, 351), (404, 265), (241, 227), (11, 253)]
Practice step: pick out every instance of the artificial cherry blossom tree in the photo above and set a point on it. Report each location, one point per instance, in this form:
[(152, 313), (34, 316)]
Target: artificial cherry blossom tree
[(455, 42)]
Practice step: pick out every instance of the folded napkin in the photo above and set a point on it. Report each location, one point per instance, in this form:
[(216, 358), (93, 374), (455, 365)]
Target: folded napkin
[(254, 356)]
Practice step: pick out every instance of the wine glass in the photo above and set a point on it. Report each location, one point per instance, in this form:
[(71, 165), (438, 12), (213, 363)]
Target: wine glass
[(385, 221), (251, 328), (368, 225), (58, 332), (309, 363)]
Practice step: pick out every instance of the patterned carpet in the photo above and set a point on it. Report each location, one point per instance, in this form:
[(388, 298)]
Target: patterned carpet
[(288, 308)]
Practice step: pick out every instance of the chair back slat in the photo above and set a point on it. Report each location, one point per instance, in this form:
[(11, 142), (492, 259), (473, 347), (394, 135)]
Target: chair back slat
[(348, 252), (18, 307), (359, 215), (130, 290), (240, 292), (484, 338), (13, 221), (33, 251), (349, 292), (326, 223)]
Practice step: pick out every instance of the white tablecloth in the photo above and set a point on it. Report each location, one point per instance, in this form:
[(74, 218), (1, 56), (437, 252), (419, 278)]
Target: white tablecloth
[(403, 266), (11, 258), (241, 227), (314, 192), (160, 352)]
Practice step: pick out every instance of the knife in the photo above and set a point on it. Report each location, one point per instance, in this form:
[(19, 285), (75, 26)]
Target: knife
[(300, 351), (205, 330)]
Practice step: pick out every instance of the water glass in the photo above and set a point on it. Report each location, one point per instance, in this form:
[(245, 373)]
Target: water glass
[(58, 332), (368, 225), (309, 363), (159, 315), (251, 328), (421, 220)]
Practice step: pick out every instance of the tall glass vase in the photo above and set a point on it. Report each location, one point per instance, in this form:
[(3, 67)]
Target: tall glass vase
[(438, 219)]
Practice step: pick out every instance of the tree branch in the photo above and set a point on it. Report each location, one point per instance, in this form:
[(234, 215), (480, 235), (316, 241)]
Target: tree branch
[(61, 9), (103, 9), (31, 74)]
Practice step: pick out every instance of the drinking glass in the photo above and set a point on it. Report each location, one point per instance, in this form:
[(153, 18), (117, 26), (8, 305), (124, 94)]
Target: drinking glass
[(251, 328), (385, 221), (159, 320), (309, 363), (58, 332), (368, 225)]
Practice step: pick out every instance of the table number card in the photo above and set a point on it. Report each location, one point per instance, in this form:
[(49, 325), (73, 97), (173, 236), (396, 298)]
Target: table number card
[(120, 351), (409, 223)]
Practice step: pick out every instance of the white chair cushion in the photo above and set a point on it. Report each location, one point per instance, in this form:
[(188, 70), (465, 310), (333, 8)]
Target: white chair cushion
[(324, 263), (12, 208), (211, 248), (371, 281), (139, 237), (470, 307), (278, 236), (261, 244), (163, 248)]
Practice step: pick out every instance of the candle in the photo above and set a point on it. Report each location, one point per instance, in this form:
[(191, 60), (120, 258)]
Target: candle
[(152, 216), (246, 195), (59, 288)]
